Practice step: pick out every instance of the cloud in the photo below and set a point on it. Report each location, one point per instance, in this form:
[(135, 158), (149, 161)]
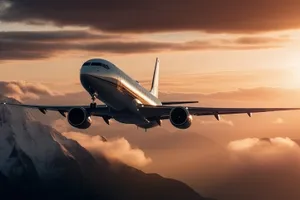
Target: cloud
[(223, 80), (222, 121), (260, 40), (25, 90), (61, 125), (55, 36), (258, 93), (255, 95), (250, 168), (115, 149), (232, 16), (261, 151), (260, 169), (3, 6), (278, 121), (44, 44)]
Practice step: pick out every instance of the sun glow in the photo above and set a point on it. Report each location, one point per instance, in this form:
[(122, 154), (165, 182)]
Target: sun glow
[(293, 68), (291, 56)]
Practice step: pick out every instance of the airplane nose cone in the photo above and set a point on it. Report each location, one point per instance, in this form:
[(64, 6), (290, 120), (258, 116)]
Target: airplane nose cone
[(85, 80)]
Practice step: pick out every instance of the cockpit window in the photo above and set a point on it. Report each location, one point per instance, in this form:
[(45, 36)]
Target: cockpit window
[(86, 64), (100, 64)]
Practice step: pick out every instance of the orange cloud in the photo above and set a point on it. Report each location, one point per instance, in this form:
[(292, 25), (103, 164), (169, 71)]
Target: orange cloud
[(21, 90), (26, 45), (114, 149), (215, 122), (278, 121), (259, 169)]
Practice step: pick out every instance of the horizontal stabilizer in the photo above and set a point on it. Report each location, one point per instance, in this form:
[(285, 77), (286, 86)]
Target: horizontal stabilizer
[(178, 102)]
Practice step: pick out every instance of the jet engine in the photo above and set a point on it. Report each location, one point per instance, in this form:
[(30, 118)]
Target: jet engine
[(180, 118), (79, 118)]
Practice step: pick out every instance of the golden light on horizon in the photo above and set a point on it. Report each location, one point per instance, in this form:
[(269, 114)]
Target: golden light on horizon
[(293, 68)]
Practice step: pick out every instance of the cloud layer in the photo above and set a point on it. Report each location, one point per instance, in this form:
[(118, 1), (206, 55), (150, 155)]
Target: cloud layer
[(25, 90), (262, 152), (115, 149), (248, 168), (54, 36), (232, 16), (43, 44), (260, 169)]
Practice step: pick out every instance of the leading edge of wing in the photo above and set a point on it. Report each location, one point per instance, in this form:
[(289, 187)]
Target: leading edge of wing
[(212, 111), (61, 109), (199, 111), (46, 107), (177, 102)]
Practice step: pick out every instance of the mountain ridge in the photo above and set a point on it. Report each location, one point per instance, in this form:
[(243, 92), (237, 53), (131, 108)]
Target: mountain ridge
[(36, 161)]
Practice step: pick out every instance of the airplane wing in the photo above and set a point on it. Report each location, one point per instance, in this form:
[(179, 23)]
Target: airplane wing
[(178, 102), (100, 110), (163, 112)]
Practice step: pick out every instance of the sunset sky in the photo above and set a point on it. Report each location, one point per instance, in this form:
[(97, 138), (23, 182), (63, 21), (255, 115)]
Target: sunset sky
[(223, 53), (48, 42)]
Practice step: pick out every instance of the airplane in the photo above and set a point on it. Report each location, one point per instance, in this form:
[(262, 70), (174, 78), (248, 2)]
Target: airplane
[(126, 101)]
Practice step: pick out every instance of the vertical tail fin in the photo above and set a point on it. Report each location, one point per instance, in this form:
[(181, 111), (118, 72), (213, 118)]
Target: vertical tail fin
[(155, 80)]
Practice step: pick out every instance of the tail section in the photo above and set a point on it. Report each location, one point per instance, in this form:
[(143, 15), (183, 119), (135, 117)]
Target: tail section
[(155, 80)]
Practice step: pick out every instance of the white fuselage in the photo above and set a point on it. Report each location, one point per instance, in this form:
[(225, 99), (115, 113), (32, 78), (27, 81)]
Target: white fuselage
[(117, 90)]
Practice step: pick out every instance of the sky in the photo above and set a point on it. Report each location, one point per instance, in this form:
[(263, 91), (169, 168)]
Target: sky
[(42, 43), (234, 53)]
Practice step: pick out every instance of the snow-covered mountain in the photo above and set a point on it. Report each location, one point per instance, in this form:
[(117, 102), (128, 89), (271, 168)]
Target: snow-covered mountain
[(37, 162)]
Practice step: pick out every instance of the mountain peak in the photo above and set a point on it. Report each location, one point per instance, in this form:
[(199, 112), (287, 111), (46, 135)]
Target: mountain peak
[(36, 157)]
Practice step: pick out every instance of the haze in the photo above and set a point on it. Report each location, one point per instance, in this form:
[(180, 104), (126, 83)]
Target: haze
[(234, 53)]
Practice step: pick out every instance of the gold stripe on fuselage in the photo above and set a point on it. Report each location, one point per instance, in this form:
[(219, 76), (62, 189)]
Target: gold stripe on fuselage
[(142, 97), (120, 86)]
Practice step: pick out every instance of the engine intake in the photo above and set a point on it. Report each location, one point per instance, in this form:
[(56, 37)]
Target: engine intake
[(79, 118), (180, 118)]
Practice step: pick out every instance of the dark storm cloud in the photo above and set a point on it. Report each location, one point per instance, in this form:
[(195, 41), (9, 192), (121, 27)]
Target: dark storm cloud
[(232, 16), (260, 40), (27, 45), (52, 36), (25, 50)]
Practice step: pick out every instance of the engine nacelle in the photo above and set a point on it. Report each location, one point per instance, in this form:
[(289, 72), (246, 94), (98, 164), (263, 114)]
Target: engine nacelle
[(181, 118), (79, 118)]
